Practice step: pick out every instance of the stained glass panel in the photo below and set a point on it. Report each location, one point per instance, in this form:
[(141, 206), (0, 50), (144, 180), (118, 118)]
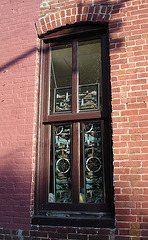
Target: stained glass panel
[(63, 98), (91, 180), (62, 165), (89, 97)]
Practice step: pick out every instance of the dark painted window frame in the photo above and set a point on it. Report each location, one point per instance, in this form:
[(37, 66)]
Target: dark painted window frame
[(77, 214)]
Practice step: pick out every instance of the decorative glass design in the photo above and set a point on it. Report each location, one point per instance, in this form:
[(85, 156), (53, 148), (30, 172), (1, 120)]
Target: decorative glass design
[(60, 79), (90, 77), (92, 190), (63, 98), (62, 163), (89, 97)]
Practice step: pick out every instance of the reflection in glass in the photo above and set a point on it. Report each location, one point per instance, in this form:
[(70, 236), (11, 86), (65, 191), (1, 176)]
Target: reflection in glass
[(89, 73), (60, 78), (61, 171), (91, 170)]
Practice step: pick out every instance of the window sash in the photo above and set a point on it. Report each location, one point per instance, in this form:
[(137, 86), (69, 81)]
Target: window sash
[(75, 114)]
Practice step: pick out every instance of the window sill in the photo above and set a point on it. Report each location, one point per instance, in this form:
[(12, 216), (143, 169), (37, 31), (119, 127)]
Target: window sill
[(76, 219)]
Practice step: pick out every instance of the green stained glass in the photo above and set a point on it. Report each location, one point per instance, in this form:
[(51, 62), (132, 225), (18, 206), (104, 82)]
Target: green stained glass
[(63, 99), (91, 180), (62, 164), (89, 97)]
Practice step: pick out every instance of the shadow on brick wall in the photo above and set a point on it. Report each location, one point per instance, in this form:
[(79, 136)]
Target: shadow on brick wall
[(18, 59), (115, 25), (15, 188)]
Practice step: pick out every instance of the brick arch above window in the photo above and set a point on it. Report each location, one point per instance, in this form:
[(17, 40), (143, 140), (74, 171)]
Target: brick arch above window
[(55, 14)]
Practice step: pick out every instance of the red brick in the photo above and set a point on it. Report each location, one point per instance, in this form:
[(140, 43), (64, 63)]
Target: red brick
[(145, 163), (121, 171), (126, 191), (77, 236), (129, 112), (124, 233), (122, 197), (122, 211), (100, 17), (126, 218), (63, 13), (130, 177), (130, 163), (91, 9), (94, 18), (97, 8), (123, 225)]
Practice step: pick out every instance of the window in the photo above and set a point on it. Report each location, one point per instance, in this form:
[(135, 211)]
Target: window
[(74, 160)]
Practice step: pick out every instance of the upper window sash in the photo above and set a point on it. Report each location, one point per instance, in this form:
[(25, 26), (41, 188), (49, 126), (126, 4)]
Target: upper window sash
[(78, 115)]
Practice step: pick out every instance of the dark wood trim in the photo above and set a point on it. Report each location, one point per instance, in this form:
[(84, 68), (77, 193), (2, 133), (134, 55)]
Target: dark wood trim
[(105, 74), (75, 77), (76, 162), (46, 162), (43, 161), (46, 78), (106, 97), (108, 170), (83, 221), (74, 117), (80, 207), (69, 31)]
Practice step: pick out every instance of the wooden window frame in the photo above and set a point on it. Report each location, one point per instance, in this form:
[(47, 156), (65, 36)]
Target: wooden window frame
[(75, 214)]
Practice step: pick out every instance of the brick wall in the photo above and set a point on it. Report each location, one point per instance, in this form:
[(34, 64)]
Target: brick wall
[(55, 233), (128, 26), (18, 56), (129, 80)]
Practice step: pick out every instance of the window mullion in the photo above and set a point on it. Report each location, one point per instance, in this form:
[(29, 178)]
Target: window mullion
[(76, 162), (76, 130), (75, 77)]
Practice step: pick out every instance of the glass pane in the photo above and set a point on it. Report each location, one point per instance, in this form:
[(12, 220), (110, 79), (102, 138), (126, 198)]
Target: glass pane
[(60, 189), (89, 97), (61, 79), (91, 167), (89, 75)]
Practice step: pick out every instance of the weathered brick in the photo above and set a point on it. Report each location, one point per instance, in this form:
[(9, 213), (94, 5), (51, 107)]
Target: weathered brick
[(77, 236)]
